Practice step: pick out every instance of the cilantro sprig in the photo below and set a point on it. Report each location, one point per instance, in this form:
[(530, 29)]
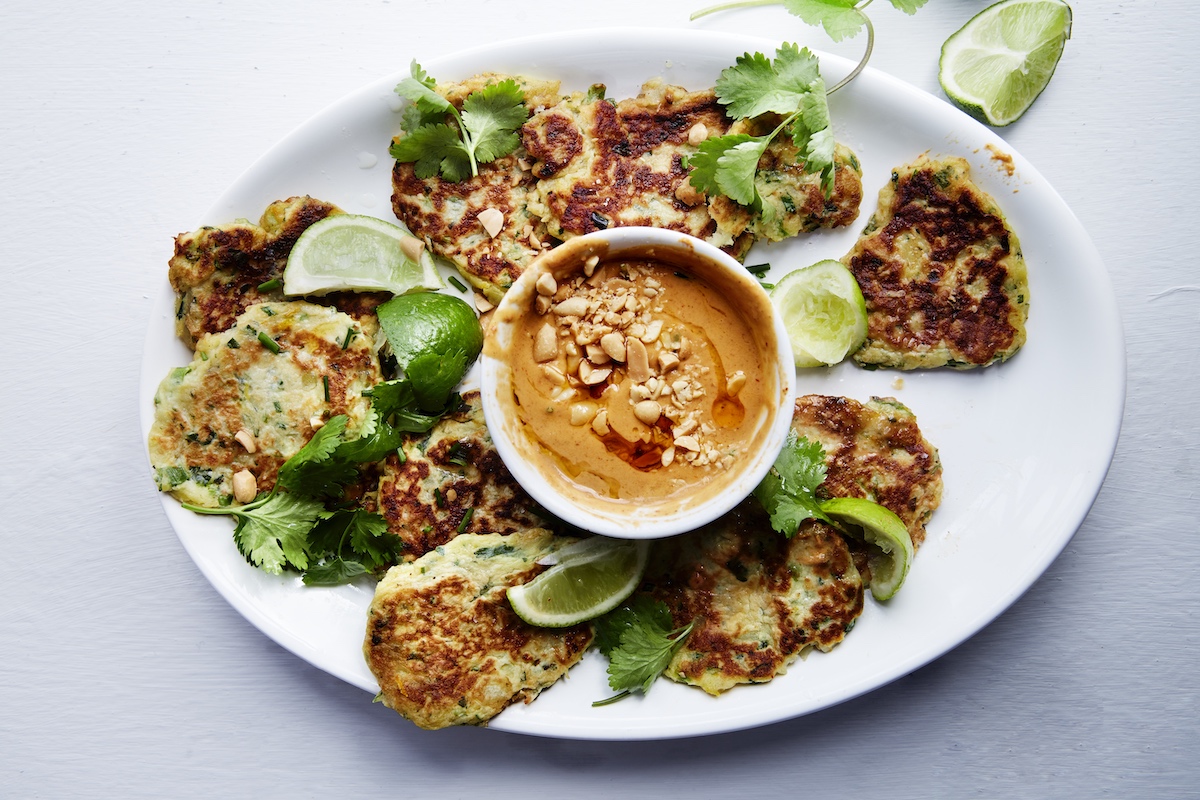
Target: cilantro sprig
[(639, 639), (789, 491), (483, 131), (841, 19), (789, 86), (290, 527)]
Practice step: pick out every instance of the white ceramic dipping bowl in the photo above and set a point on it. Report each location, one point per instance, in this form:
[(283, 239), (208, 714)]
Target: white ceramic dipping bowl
[(717, 488)]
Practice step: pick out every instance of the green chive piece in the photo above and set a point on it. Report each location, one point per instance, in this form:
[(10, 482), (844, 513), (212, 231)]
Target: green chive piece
[(466, 520), (270, 286), (457, 283), (325, 384), (456, 456), (232, 344), (350, 334), (400, 455), (268, 342), (758, 269)]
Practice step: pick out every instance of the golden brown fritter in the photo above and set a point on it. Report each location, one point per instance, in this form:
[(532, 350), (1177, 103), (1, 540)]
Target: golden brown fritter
[(444, 643), (216, 271), (450, 472), (941, 271), (874, 451), (758, 598), (602, 164), (237, 383), (446, 214)]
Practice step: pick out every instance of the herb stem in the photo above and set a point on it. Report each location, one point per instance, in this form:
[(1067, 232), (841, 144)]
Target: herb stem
[(609, 700), (235, 510), (467, 140), (731, 6), (866, 53)]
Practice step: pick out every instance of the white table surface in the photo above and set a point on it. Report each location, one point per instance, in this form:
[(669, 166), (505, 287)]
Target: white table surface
[(123, 673)]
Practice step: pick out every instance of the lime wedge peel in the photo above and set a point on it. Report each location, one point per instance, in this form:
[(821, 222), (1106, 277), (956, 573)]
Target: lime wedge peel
[(996, 65), (350, 252), (823, 312), (588, 578), (891, 546)]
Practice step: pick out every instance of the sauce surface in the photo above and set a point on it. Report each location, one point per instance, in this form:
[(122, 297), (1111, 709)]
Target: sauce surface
[(639, 380)]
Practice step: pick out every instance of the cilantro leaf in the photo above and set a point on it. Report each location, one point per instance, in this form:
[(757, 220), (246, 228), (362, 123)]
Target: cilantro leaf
[(334, 572), (433, 148), (705, 162), (839, 18), (274, 535), (492, 116), (610, 626), (369, 537), (351, 543), (755, 85), (319, 448), (645, 651), (377, 439), (726, 165), (316, 471), (418, 88), (645, 645), (907, 6), (788, 492)]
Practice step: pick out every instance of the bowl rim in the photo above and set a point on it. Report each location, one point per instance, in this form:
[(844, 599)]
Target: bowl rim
[(495, 382)]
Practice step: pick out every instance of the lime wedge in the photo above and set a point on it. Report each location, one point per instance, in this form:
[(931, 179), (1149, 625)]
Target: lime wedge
[(429, 323), (435, 338), (589, 578), (348, 252), (823, 311), (891, 546), (997, 64)]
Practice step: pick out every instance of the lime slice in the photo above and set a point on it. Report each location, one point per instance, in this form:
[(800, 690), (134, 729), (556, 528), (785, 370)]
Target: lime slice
[(589, 578), (891, 546), (997, 64), (348, 252), (823, 311)]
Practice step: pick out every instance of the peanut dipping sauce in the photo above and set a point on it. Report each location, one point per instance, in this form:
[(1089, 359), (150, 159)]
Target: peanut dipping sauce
[(639, 379)]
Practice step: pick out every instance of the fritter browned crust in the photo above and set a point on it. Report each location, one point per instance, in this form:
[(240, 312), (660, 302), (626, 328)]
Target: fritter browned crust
[(941, 271), (446, 214), (602, 164), (450, 472), (874, 451), (444, 643), (216, 271), (758, 599)]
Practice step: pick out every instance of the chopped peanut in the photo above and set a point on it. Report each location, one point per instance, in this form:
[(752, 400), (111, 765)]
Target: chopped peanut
[(245, 486), (492, 221), (246, 440)]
